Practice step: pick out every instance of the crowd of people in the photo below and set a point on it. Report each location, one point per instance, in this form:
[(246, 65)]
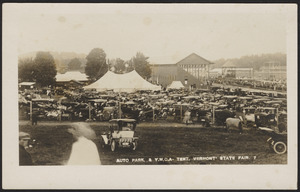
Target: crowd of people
[(279, 85)]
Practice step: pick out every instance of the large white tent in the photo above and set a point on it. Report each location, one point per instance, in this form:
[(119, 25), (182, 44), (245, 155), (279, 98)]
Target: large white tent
[(128, 82), (175, 85)]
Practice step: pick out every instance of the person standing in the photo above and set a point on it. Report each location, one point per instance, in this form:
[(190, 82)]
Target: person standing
[(187, 117), (84, 150), (34, 117), (24, 156)]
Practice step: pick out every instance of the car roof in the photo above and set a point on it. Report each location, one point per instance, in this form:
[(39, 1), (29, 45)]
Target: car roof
[(272, 108), (124, 120)]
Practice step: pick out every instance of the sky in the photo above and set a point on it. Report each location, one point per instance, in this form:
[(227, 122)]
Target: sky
[(166, 33)]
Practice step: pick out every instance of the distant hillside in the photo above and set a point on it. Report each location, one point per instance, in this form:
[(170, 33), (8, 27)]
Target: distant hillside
[(254, 61), (62, 59), (56, 55)]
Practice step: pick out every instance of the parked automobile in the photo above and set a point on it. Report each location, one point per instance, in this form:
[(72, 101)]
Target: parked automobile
[(121, 134), (130, 110), (109, 113), (266, 117), (277, 140)]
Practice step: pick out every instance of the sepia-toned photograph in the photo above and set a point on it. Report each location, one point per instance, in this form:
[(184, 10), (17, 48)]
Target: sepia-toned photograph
[(152, 86)]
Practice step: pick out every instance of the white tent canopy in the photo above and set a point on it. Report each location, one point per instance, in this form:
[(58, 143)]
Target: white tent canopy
[(176, 85), (71, 75), (128, 82)]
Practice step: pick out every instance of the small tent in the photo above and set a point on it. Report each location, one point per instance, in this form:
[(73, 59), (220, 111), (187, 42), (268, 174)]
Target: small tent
[(176, 85), (128, 82), (71, 75)]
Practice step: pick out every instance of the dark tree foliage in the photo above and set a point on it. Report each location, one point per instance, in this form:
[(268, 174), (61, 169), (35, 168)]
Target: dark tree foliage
[(96, 65), (45, 69), (27, 70), (141, 65), (119, 66), (74, 65)]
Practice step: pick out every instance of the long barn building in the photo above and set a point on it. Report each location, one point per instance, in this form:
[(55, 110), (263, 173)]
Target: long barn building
[(192, 71)]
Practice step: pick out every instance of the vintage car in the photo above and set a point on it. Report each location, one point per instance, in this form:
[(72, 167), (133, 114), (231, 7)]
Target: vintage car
[(130, 110), (266, 117), (201, 116), (109, 113), (179, 110), (149, 113), (277, 140), (121, 134)]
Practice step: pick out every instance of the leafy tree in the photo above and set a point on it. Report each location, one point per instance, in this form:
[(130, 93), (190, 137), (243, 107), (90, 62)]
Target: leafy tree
[(27, 70), (61, 67), (74, 64), (45, 69), (96, 65), (130, 65), (119, 66), (141, 65), (110, 63)]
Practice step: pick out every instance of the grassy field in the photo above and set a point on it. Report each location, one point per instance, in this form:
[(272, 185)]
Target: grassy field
[(158, 144)]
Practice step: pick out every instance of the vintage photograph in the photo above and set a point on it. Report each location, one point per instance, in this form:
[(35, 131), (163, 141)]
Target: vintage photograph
[(152, 84)]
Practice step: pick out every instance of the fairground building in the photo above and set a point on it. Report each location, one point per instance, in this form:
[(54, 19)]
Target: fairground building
[(192, 71)]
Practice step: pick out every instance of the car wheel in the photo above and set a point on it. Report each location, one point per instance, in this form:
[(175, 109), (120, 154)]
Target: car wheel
[(280, 147), (134, 145), (113, 145)]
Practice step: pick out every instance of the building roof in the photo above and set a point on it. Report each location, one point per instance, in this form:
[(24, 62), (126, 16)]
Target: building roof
[(194, 59), (71, 75), (244, 69), (216, 70), (159, 65), (229, 64)]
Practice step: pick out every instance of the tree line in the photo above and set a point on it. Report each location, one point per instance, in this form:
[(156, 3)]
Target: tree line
[(253, 61), (43, 68)]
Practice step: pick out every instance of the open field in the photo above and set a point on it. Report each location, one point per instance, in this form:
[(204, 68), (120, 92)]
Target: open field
[(162, 143)]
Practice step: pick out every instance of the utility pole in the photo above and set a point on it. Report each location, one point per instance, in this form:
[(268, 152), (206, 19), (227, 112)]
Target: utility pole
[(30, 110), (153, 108), (180, 111), (119, 107), (213, 110), (90, 115), (277, 117), (120, 111)]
